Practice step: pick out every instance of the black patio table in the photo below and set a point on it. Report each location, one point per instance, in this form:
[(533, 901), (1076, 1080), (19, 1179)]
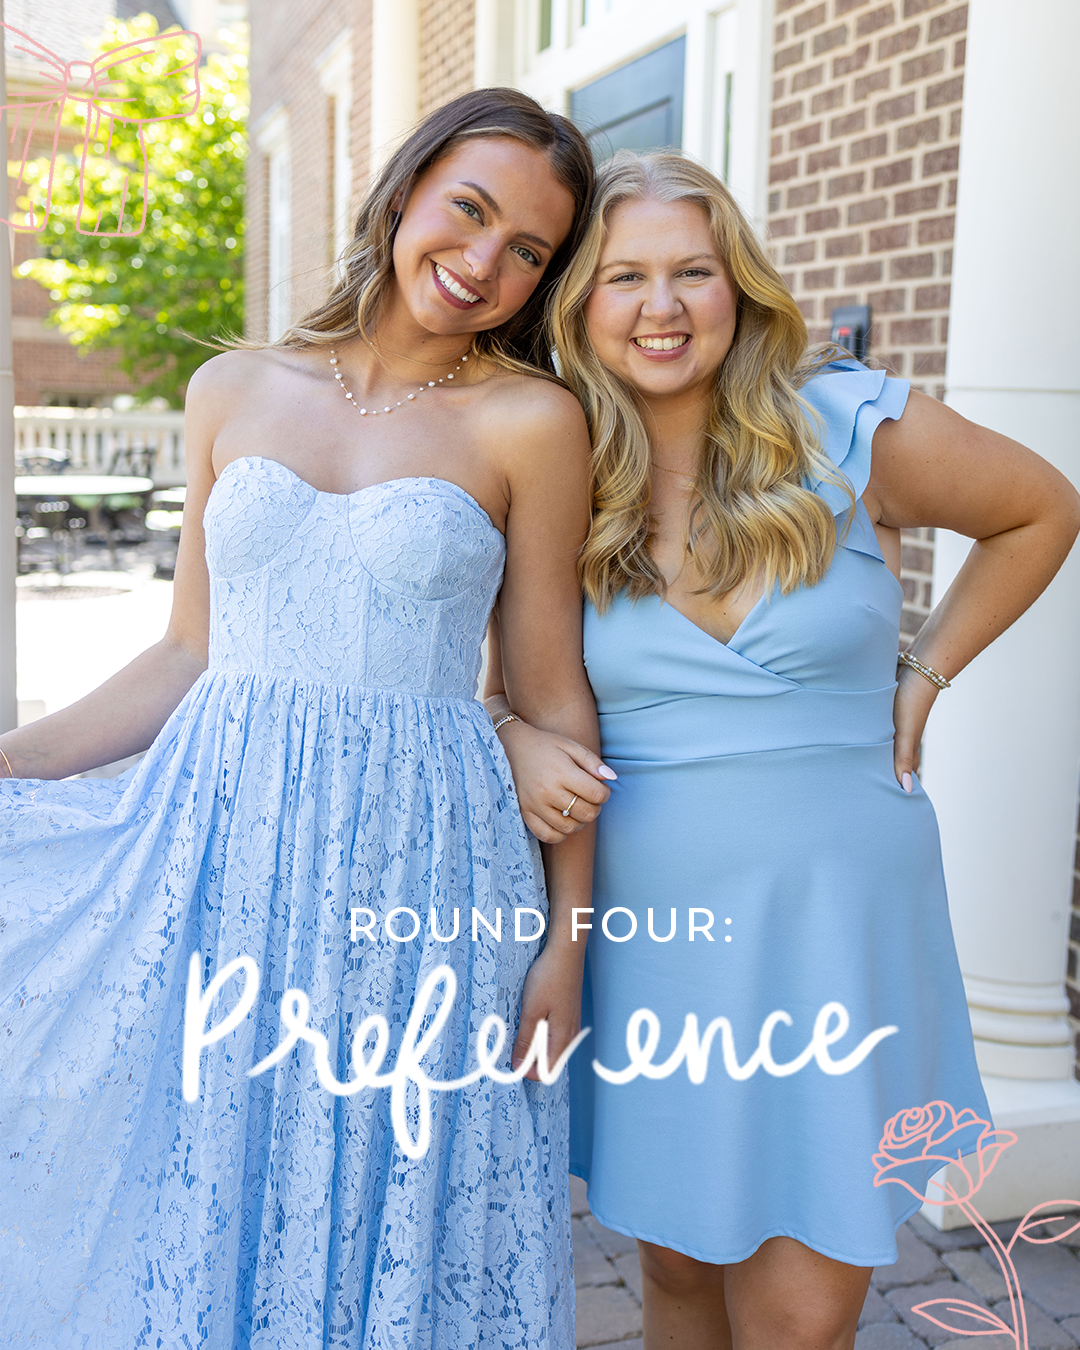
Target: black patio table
[(56, 500)]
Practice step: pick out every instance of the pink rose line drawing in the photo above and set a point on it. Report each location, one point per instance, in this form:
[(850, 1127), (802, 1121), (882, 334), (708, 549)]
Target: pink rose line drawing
[(936, 1133), (88, 83)]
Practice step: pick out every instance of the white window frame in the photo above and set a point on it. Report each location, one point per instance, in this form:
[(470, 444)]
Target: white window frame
[(272, 138), (722, 37), (334, 69)]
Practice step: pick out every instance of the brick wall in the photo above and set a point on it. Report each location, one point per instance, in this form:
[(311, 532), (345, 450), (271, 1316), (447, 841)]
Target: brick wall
[(446, 51), (53, 370), (863, 163), (286, 43)]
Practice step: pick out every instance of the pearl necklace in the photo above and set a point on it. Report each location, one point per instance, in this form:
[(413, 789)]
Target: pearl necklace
[(431, 384)]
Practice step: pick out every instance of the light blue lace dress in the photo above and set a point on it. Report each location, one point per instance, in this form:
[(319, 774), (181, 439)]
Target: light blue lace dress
[(331, 757)]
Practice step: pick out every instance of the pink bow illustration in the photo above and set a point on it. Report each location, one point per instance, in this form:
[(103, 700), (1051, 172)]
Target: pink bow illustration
[(98, 86)]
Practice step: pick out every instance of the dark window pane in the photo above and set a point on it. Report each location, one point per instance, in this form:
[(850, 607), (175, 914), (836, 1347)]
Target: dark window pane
[(645, 130), (638, 106)]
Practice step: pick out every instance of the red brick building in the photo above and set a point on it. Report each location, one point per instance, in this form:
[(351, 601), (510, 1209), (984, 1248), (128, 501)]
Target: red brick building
[(891, 158), (301, 72), (863, 160)]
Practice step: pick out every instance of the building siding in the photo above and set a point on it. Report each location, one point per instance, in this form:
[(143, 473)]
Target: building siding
[(285, 48), (863, 163), (447, 33)]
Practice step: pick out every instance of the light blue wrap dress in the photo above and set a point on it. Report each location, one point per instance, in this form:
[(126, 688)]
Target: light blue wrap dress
[(756, 799)]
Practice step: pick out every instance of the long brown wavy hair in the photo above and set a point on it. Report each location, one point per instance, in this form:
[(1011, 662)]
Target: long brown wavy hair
[(367, 266), (753, 514)]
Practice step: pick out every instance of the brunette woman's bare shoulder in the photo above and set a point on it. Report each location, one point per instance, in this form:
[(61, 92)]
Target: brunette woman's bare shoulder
[(534, 430), (529, 404), (233, 372), (216, 383), (233, 381)]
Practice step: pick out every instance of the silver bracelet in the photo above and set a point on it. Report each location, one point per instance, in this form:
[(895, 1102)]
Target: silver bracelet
[(927, 672), (510, 717)]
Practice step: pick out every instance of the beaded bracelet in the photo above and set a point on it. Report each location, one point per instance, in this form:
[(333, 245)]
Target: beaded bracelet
[(927, 672), (510, 717)]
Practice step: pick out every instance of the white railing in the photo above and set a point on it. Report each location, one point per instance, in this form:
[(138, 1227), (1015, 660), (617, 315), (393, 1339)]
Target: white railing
[(101, 440)]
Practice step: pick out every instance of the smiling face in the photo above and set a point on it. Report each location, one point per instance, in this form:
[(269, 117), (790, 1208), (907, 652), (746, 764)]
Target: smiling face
[(661, 314), (476, 233)]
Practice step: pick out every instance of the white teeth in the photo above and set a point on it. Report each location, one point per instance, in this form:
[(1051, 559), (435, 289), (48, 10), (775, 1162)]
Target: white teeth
[(451, 285), (662, 344)]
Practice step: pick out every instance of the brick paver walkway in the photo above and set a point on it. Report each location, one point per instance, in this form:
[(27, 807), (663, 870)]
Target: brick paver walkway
[(931, 1265), (607, 1277)]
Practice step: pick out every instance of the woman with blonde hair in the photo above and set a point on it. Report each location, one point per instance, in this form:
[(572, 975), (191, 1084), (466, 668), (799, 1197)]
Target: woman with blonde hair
[(771, 974), (230, 974)]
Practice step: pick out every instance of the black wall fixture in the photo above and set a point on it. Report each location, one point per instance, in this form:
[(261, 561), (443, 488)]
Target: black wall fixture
[(851, 329)]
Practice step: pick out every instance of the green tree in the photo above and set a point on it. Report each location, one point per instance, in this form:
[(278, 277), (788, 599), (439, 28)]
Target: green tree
[(147, 296)]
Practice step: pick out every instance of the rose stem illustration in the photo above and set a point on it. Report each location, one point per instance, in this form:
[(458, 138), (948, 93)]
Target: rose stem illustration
[(938, 1134)]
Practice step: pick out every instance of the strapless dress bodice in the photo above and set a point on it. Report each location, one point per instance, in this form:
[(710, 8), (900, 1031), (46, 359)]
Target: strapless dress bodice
[(388, 588)]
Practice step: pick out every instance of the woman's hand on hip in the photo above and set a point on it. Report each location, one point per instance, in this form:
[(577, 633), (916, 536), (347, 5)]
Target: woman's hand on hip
[(553, 773), (912, 702)]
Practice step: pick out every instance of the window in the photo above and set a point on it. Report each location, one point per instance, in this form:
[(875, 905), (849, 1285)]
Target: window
[(637, 107), (335, 78), (722, 82), (592, 9), (545, 26), (272, 139)]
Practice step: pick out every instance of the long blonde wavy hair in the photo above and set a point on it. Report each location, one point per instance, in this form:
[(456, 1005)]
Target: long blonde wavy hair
[(752, 516)]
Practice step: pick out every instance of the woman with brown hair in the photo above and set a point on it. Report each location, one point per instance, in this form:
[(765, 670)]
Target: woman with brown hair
[(321, 844), (771, 973)]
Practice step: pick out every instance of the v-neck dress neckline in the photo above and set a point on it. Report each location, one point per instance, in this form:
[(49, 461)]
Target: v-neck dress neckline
[(757, 819)]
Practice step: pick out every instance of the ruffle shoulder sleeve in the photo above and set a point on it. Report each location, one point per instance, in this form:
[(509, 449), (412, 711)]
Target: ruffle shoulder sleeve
[(851, 402)]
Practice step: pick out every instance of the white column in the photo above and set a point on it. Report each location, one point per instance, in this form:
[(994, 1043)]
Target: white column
[(493, 44), (1002, 754), (748, 168), (8, 705), (395, 62)]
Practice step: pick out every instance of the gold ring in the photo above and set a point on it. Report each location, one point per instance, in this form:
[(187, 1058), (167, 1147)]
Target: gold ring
[(573, 799)]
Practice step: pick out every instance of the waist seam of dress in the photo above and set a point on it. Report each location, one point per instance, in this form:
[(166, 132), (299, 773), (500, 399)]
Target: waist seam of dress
[(353, 686), (771, 750)]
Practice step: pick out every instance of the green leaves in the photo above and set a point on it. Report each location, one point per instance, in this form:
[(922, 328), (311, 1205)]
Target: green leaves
[(146, 297)]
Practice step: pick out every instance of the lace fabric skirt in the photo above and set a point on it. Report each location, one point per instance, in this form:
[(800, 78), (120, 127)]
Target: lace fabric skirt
[(269, 1213)]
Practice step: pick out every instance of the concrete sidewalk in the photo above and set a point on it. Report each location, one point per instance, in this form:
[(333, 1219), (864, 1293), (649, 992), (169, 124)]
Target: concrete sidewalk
[(931, 1265)]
